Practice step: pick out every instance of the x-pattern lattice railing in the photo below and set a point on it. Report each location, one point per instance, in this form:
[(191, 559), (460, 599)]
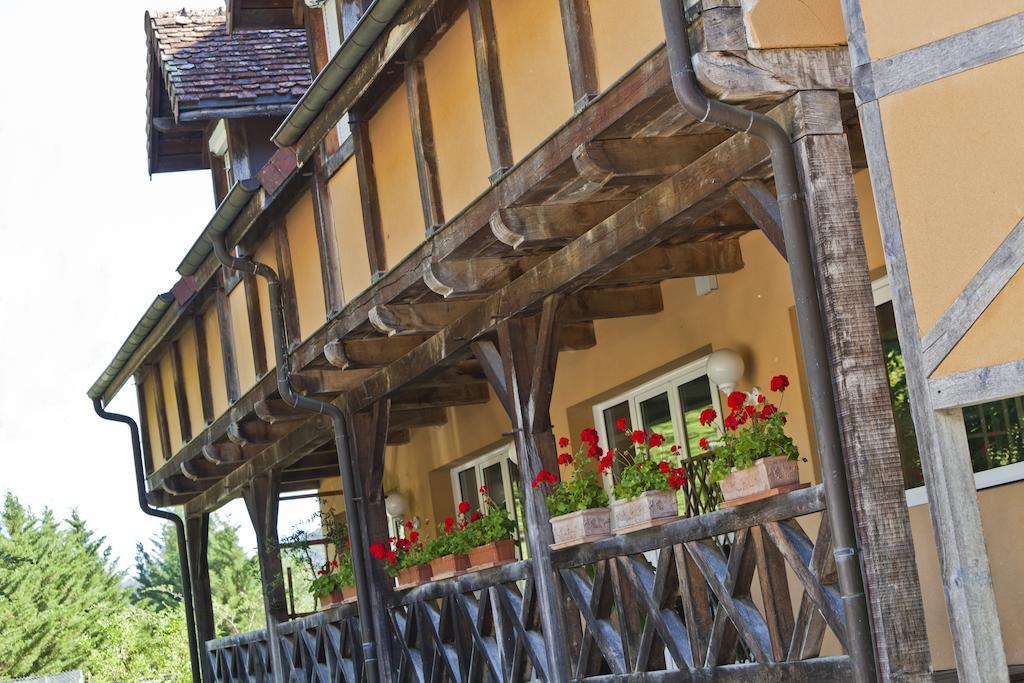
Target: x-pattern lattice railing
[(678, 601)]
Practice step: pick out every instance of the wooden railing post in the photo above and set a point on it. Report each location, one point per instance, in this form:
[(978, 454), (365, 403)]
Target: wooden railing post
[(369, 437), (261, 499), (197, 536)]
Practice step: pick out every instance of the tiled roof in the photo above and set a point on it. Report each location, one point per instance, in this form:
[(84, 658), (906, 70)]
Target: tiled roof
[(204, 67)]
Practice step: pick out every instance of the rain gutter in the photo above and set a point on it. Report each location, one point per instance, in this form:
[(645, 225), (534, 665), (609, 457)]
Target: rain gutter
[(138, 335)]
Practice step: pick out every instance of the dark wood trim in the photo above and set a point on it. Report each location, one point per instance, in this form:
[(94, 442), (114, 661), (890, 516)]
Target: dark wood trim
[(579, 48), (283, 253), (423, 146), (227, 341), (252, 307), (180, 397), (489, 83), (197, 542), (147, 449), (369, 201), (262, 499), (161, 412), (203, 363), (326, 240)]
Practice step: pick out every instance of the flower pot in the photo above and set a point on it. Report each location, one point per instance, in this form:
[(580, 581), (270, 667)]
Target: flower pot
[(581, 526), (447, 566), (413, 576), (650, 508), (765, 478), (492, 554), (329, 600), (348, 594)]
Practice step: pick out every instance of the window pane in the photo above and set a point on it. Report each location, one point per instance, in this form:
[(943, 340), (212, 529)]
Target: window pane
[(495, 485), (694, 398), (906, 438), (656, 415), (468, 488), (517, 508), (617, 440)]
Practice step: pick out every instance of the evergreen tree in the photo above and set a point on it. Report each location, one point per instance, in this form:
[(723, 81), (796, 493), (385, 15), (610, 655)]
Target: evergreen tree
[(57, 584)]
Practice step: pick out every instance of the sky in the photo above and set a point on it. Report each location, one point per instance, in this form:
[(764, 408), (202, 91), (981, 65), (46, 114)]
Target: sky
[(87, 240)]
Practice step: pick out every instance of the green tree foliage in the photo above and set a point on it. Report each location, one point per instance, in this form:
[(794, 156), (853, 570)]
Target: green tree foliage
[(142, 645), (234, 578), (58, 585)]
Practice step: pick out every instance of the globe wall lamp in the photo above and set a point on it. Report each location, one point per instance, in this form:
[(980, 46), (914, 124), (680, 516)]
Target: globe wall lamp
[(725, 368), (396, 504)]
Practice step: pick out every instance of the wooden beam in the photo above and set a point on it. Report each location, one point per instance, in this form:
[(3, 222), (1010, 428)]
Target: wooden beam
[(578, 32), (369, 202), (257, 432), (255, 314), (147, 449), (262, 498), (599, 161), (441, 397), (227, 452), (489, 83), (982, 385), (763, 208), (327, 381), (474, 277), (200, 469), (161, 413), (423, 146), (274, 410), (369, 352), (289, 301), (327, 240), (203, 362), (670, 261), (227, 341), (399, 437), (418, 318), (548, 225), (180, 397), (197, 537), (422, 417)]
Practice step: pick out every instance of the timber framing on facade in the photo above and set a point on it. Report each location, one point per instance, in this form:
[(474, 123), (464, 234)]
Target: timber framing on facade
[(629, 192)]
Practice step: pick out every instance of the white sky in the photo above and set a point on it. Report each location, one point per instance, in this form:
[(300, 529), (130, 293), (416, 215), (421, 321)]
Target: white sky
[(87, 240)]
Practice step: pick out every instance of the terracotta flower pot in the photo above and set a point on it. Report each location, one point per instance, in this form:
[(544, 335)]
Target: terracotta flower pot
[(329, 600), (765, 478), (348, 594), (413, 576), (492, 554), (447, 566), (581, 526), (648, 509)]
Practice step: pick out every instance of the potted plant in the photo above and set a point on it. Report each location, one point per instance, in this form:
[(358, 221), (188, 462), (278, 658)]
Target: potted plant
[(327, 585), (490, 535), (754, 458), (347, 577), (332, 581), (578, 505), (404, 559), (645, 494), (449, 549)]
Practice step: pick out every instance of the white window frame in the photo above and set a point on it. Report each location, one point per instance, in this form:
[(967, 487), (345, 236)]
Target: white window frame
[(499, 455), (996, 476), (334, 37), (669, 384)]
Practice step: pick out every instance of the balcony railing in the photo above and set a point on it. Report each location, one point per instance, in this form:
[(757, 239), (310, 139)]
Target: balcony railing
[(679, 598)]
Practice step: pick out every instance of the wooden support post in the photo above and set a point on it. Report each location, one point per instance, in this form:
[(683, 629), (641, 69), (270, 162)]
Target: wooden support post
[(252, 307), (261, 500), (529, 351), (180, 397), (147, 449), (368, 199), (489, 83), (327, 240), (227, 340), (203, 369), (161, 412), (289, 302), (862, 395), (197, 537), (369, 438), (579, 47), (423, 146)]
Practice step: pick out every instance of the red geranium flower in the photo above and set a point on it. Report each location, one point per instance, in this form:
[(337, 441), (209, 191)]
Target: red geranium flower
[(750, 410), (621, 424), (736, 399), (402, 544), (731, 422), (707, 416), (409, 524), (448, 523), (589, 435), (677, 478), (606, 462), (675, 448), (475, 516), (656, 440), (564, 459), (563, 442), (463, 507), (392, 558), (594, 451), (663, 466), (768, 411), (414, 537), (377, 550), (779, 383), (704, 444), (638, 436)]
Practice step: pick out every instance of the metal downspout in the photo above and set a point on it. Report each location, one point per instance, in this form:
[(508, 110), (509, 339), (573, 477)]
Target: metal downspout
[(179, 527), (352, 488), (812, 327)]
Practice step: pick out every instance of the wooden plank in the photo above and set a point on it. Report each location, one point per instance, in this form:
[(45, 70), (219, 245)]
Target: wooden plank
[(261, 500), (982, 385), (369, 201), (489, 83), (578, 31), (548, 225), (255, 315), (744, 77), (944, 57), (980, 292), (161, 413), (369, 352), (180, 397), (763, 208), (424, 148), (227, 342), (863, 406), (289, 302), (197, 535), (147, 449), (952, 498), (327, 240)]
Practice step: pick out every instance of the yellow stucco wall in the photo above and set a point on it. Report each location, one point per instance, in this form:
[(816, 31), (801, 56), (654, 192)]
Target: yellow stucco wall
[(348, 228), (152, 428), (170, 402), (218, 387), (309, 283), (534, 69), (190, 378), (957, 185), (462, 161), (793, 23), (619, 45), (242, 337), (397, 185), (893, 27)]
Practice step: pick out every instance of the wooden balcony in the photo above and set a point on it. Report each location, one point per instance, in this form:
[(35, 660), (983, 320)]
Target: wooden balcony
[(675, 602)]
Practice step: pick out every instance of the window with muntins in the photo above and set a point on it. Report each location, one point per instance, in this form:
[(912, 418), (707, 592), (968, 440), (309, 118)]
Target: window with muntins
[(499, 472)]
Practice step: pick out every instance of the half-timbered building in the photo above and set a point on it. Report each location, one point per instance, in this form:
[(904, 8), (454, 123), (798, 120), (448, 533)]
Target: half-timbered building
[(447, 232)]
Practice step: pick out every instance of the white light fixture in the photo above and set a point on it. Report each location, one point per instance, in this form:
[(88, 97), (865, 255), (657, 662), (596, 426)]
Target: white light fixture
[(725, 367), (315, 4), (396, 504)]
